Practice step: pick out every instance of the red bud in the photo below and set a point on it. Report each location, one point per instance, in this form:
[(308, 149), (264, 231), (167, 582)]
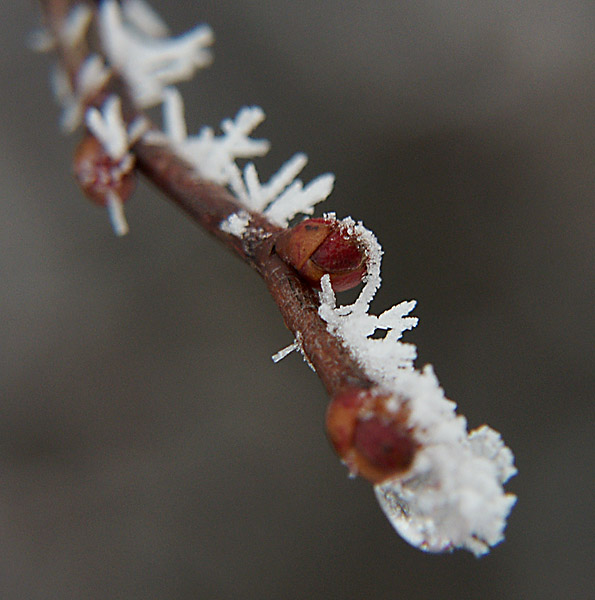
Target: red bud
[(317, 247), (99, 175), (369, 432)]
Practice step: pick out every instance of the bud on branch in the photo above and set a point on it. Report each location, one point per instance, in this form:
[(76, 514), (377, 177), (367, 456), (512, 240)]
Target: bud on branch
[(104, 180), (440, 486), (317, 247), (368, 429)]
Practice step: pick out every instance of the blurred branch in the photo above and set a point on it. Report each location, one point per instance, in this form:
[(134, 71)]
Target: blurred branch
[(208, 204)]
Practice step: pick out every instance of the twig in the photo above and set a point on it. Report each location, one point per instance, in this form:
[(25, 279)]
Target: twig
[(440, 485), (208, 204)]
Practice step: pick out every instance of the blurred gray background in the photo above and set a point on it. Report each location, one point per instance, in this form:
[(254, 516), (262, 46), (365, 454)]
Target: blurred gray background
[(150, 449)]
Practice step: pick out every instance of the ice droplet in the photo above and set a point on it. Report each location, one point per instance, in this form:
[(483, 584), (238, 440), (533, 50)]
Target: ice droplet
[(400, 504)]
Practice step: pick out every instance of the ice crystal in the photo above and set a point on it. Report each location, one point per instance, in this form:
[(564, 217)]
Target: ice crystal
[(149, 62), (214, 157), (142, 16), (257, 196), (90, 78), (284, 196), (236, 224), (109, 128), (72, 31), (296, 345), (452, 496), (76, 25)]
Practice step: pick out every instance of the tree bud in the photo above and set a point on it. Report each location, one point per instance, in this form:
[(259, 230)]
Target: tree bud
[(317, 247), (368, 430), (99, 175)]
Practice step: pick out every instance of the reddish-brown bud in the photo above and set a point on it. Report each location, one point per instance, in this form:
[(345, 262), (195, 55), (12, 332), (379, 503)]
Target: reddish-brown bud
[(369, 431), (316, 247), (99, 175)]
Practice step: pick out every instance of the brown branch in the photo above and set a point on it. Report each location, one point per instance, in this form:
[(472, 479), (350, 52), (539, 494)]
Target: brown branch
[(208, 205)]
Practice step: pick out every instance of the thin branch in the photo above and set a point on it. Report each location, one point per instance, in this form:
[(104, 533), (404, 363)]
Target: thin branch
[(208, 205), (440, 485)]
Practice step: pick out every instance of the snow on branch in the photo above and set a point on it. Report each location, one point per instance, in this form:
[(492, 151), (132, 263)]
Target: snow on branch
[(452, 495), (214, 158), (108, 127)]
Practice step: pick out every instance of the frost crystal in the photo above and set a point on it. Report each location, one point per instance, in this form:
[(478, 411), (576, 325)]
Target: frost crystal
[(76, 24), (91, 77), (284, 196), (296, 345), (148, 62), (71, 33), (236, 224), (212, 156), (109, 128), (140, 15), (452, 495)]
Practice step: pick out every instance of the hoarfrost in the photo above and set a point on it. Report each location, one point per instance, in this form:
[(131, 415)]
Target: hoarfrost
[(142, 16), (296, 345), (284, 196), (213, 157), (90, 78), (452, 495), (236, 224), (149, 62), (109, 128)]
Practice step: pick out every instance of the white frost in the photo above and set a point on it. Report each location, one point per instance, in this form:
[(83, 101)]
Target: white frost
[(149, 62), (296, 345), (90, 78), (72, 32), (115, 211), (452, 495), (214, 157), (257, 196), (297, 199), (142, 16), (108, 126), (76, 25), (284, 196), (236, 224)]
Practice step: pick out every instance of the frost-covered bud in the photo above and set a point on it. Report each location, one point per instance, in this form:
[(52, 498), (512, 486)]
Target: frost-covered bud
[(316, 247), (99, 175), (368, 430), (106, 181)]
